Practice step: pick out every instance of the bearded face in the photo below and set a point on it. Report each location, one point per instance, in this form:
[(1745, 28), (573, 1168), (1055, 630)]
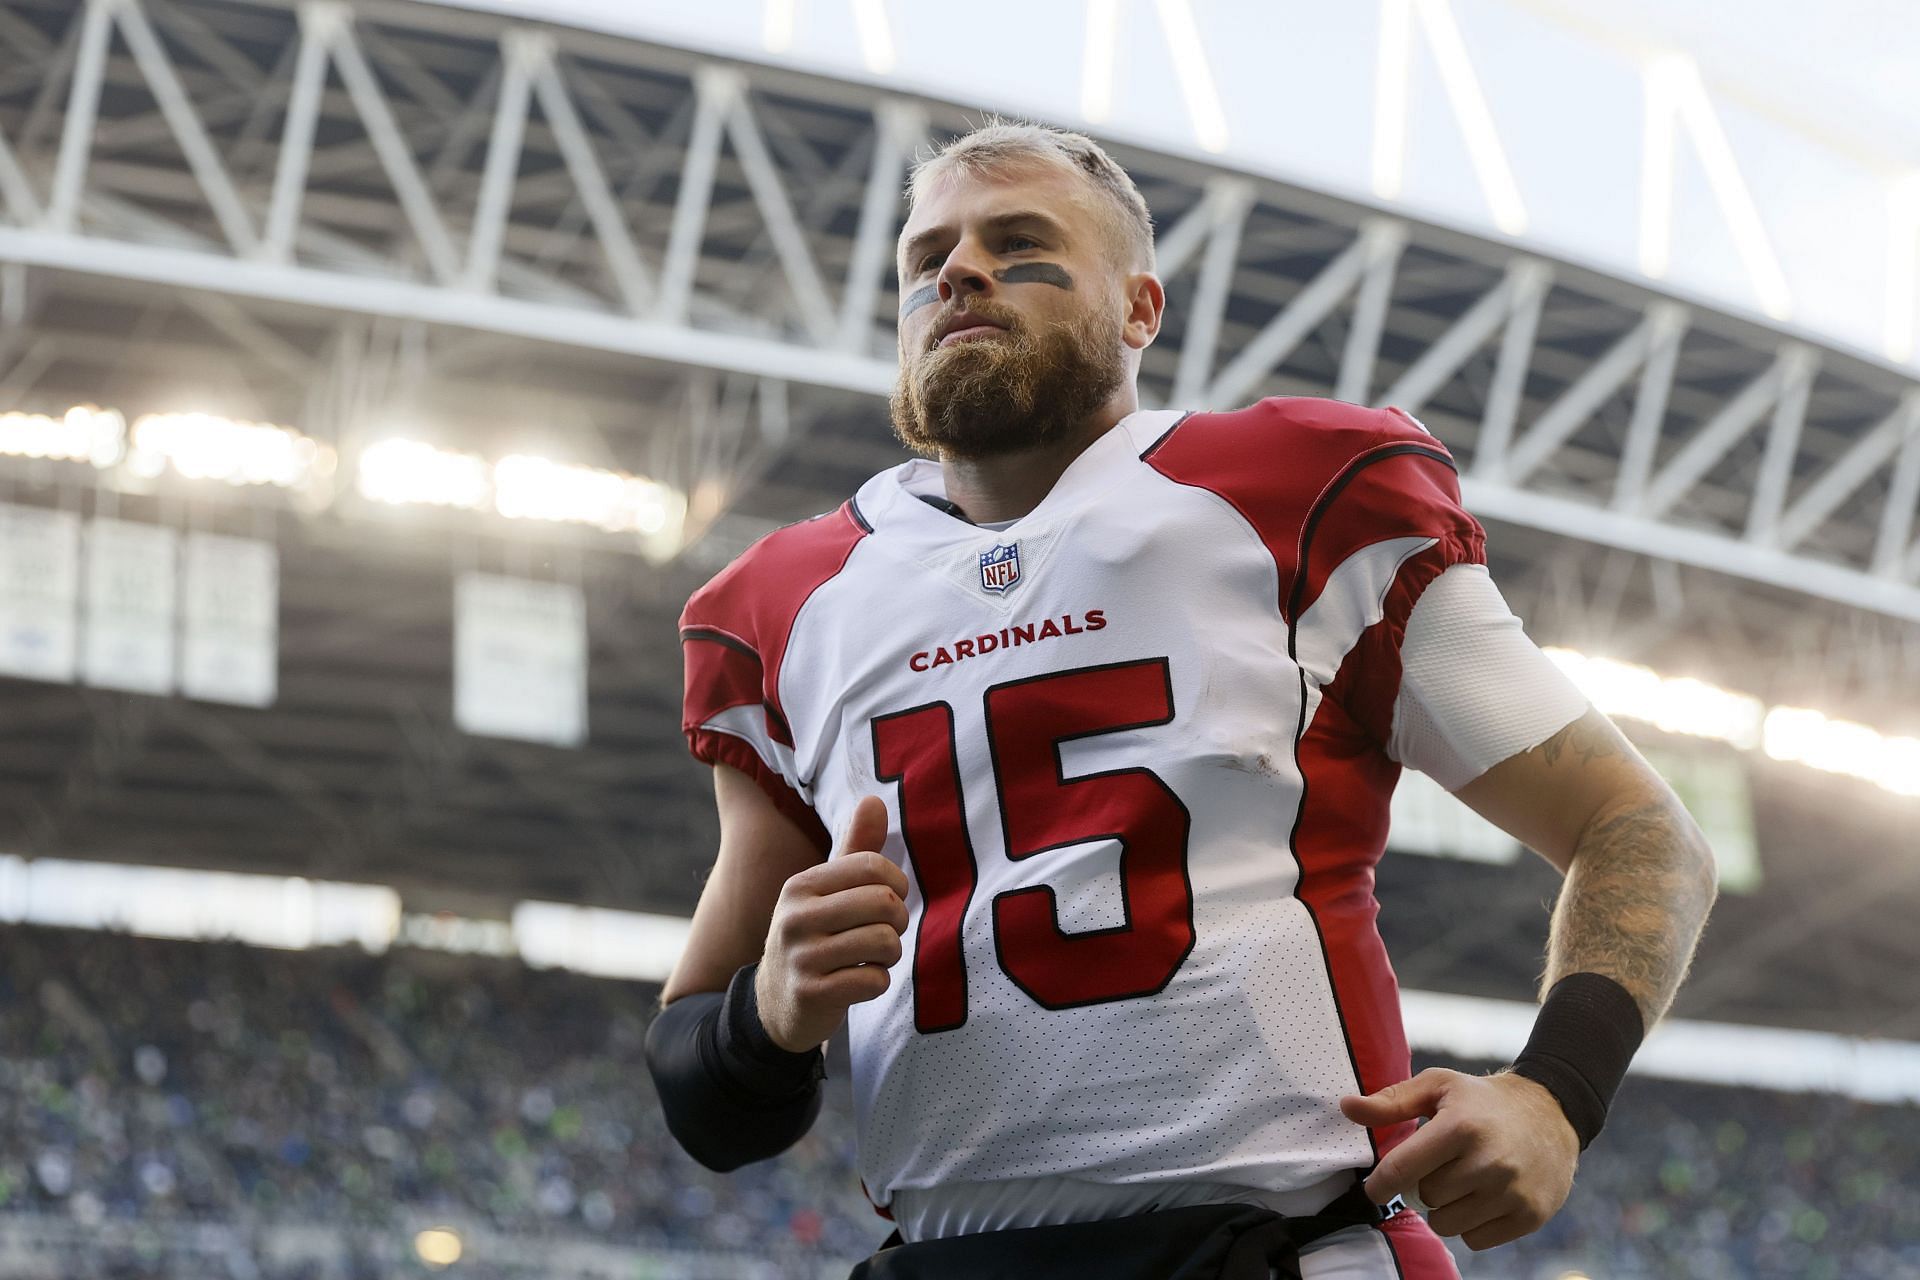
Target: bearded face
[(1028, 386)]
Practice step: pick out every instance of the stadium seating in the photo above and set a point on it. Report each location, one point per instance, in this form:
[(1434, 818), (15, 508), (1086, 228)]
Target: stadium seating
[(303, 1114)]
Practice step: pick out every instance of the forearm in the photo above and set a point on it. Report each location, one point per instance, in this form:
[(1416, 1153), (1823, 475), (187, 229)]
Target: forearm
[(1635, 899), (728, 1095)]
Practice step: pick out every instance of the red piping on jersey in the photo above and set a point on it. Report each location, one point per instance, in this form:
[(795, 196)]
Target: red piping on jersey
[(1417, 1252), (1327, 446)]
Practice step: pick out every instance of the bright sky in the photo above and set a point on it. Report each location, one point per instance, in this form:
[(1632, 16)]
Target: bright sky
[(1846, 69)]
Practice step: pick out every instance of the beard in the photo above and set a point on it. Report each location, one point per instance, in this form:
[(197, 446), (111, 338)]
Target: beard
[(1033, 386)]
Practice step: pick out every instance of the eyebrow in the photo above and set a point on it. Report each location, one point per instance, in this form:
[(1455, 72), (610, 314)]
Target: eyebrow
[(910, 252)]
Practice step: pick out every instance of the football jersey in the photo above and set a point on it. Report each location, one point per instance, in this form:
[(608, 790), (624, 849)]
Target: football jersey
[(1133, 749)]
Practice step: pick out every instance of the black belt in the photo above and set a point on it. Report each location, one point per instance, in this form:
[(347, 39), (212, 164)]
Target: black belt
[(1199, 1242)]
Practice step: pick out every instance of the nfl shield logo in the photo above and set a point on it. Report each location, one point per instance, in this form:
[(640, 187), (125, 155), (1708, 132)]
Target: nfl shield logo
[(1000, 568)]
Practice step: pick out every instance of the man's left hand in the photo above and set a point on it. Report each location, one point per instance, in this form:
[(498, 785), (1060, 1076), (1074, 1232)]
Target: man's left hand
[(1494, 1161)]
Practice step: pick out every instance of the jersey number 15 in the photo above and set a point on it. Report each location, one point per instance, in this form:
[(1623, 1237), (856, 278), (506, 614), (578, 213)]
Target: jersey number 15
[(1041, 809)]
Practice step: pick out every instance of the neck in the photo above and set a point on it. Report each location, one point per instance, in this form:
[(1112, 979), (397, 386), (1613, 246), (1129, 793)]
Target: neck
[(1009, 485)]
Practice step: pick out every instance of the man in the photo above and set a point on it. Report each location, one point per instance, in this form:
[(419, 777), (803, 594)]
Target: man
[(1106, 706)]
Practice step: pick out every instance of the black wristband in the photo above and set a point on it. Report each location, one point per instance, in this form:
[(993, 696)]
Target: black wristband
[(1586, 1034), (748, 1055)]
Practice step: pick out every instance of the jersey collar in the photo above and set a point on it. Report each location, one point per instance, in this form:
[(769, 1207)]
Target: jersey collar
[(891, 503)]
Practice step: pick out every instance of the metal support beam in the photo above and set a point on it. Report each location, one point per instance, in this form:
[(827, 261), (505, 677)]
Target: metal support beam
[(416, 202), (1510, 366), (1178, 243), (51, 75), (412, 300), (18, 192), (1386, 239), (1783, 445), (174, 104), (1444, 356), (1578, 402), (898, 128), (318, 23), (448, 166), (1301, 316), (630, 273), (83, 103), (246, 151), (1650, 405), (218, 52), (1229, 201), (265, 345), (808, 290), (1712, 441), (24, 36), (714, 90), (503, 161), (1840, 480), (1896, 518), (1716, 552)]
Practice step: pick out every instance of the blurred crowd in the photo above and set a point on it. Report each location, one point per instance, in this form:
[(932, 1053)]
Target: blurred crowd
[(146, 1079), (183, 1085), (1693, 1182)]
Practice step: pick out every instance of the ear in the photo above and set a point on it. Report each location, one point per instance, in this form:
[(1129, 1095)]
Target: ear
[(1146, 301)]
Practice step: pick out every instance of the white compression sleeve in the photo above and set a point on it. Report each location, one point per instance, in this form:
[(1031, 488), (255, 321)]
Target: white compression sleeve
[(1474, 689)]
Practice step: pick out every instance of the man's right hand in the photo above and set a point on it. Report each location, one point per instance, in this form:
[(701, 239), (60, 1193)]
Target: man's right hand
[(835, 933)]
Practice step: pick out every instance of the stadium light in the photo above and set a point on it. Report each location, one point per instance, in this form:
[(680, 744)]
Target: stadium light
[(1675, 704), (204, 446), (612, 944), (407, 472), (532, 488), (84, 433), (1842, 746), (286, 912), (197, 446), (438, 1246), (526, 487), (1698, 709)]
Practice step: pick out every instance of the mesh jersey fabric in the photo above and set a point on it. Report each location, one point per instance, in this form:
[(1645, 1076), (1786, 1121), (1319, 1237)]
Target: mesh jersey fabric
[(1134, 752)]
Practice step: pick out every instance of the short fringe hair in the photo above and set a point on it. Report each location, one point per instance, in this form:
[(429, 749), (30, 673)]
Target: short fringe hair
[(1000, 141)]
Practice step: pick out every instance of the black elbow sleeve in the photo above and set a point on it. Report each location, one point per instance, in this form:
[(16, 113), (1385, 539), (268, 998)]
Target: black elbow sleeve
[(731, 1096)]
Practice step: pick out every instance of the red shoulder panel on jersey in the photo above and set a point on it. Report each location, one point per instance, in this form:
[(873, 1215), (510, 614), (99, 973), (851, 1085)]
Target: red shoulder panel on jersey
[(734, 633), (1319, 479)]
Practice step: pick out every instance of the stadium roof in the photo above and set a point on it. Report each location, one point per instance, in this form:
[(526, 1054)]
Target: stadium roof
[(381, 219)]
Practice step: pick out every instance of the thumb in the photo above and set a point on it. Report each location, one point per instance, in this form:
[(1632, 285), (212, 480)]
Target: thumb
[(868, 829), (1407, 1100)]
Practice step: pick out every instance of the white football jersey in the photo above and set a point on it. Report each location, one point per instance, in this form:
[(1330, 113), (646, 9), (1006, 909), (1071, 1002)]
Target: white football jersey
[(1134, 750)]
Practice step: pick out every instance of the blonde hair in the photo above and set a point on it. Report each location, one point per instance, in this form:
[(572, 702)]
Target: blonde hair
[(999, 142)]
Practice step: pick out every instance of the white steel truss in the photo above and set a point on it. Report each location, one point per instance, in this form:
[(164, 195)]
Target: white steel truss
[(479, 180)]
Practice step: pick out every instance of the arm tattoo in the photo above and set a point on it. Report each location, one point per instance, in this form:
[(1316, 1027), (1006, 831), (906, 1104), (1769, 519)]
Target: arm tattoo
[(1637, 896), (1590, 738)]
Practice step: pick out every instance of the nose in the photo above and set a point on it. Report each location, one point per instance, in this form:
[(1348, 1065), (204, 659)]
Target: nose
[(964, 274)]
